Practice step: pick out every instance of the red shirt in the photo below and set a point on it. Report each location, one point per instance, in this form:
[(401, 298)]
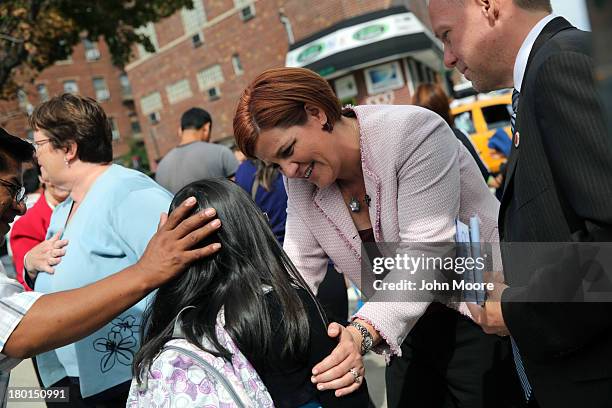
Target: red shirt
[(27, 232)]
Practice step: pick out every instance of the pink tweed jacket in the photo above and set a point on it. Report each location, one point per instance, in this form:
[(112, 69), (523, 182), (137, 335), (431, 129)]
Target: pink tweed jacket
[(420, 179)]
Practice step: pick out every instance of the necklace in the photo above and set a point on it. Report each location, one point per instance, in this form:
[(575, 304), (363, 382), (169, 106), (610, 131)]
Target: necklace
[(355, 206)]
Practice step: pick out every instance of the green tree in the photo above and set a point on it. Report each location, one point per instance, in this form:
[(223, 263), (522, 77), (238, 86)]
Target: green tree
[(137, 157), (36, 33)]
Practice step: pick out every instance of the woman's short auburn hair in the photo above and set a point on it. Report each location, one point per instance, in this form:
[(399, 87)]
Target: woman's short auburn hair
[(276, 98)]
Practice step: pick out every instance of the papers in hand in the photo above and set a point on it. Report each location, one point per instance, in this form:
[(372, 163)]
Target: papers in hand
[(468, 240)]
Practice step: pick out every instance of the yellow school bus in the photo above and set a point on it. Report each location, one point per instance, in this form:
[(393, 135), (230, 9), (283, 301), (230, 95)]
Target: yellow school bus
[(480, 119)]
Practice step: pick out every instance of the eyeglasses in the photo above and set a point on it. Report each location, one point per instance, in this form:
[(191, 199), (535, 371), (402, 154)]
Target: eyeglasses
[(39, 143), (16, 190)]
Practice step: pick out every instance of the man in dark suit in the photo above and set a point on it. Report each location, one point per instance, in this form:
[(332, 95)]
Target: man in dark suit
[(557, 187)]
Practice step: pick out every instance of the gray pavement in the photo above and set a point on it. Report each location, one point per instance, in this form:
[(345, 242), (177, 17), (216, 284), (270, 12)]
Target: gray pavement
[(375, 367), (23, 376), (375, 375)]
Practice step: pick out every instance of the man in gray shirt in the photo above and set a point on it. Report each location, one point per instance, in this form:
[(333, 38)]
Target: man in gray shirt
[(195, 158)]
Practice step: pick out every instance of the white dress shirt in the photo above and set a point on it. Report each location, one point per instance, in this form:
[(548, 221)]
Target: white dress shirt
[(520, 65)]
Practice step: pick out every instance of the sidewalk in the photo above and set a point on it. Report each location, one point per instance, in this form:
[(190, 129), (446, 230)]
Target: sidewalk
[(23, 376), (374, 366)]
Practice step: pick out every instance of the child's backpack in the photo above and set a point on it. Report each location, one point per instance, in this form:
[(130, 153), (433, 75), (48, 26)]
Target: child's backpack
[(183, 375)]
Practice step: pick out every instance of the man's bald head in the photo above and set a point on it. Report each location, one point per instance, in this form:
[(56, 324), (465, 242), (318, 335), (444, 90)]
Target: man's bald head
[(482, 37)]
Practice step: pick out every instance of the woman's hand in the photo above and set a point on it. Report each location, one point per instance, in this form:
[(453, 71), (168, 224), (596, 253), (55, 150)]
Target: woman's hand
[(44, 256), (343, 369)]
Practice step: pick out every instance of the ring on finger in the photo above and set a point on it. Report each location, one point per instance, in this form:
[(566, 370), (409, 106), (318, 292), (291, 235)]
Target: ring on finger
[(356, 376)]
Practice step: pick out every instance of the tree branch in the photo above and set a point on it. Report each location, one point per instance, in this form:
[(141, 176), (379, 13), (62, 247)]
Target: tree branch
[(10, 38)]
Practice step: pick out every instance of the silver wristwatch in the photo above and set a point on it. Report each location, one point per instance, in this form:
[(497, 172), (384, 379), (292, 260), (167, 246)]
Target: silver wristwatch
[(366, 338)]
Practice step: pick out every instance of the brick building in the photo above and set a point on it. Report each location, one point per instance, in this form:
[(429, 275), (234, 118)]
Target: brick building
[(88, 72), (206, 56)]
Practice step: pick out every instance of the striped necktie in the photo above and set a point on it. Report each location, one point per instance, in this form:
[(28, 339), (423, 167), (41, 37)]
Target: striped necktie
[(515, 102), (520, 367), (520, 370)]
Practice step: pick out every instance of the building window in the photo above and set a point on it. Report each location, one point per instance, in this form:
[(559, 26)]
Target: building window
[(71, 86), (247, 9), (196, 40), (126, 88), (346, 88), (136, 129), (384, 77), (114, 129), (154, 118), (213, 93), (238, 70), (414, 69), (92, 53), (424, 75), (178, 91), (194, 19), (149, 31), (24, 102), (102, 92), (151, 103), (22, 97), (409, 76), (209, 80), (419, 68), (43, 92)]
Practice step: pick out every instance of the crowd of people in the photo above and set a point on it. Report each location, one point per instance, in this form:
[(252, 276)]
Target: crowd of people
[(240, 317)]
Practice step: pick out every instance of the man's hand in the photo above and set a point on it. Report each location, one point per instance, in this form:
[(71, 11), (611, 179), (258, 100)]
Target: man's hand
[(489, 317), (44, 256), (171, 249), (334, 372), (61, 318)]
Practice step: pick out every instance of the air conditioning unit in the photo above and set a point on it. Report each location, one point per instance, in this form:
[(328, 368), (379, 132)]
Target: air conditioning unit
[(103, 95), (214, 93), (92, 54), (154, 118), (247, 13)]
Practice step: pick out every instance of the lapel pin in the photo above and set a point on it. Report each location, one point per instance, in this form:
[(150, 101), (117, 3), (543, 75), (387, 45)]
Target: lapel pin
[(517, 139)]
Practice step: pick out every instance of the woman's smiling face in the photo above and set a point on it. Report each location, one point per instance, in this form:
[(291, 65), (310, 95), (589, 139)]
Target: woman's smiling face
[(305, 151)]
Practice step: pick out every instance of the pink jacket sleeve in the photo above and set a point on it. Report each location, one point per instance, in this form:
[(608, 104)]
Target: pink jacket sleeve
[(428, 201)]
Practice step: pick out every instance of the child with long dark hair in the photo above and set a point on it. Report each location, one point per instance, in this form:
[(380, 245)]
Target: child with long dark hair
[(248, 300)]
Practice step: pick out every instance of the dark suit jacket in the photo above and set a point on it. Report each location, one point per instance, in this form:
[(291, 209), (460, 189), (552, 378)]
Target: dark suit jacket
[(558, 189)]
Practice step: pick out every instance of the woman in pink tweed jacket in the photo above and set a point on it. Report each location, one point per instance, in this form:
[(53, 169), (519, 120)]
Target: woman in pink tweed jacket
[(408, 179)]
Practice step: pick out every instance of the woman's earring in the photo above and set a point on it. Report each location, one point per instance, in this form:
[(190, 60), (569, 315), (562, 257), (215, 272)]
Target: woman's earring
[(66, 162), (328, 127)]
